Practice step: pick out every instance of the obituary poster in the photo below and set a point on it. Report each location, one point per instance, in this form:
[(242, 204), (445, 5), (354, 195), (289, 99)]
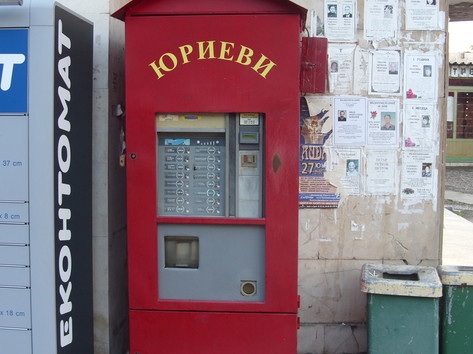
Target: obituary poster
[(341, 58), (383, 122), (422, 15), (381, 19), (340, 16), (420, 76), (417, 175), (349, 121), (419, 126), (381, 171), (385, 72), (347, 165), (315, 191)]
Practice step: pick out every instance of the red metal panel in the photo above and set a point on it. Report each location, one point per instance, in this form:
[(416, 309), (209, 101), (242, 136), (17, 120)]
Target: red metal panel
[(203, 333), (314, 65), (224, 82), (167, 7)]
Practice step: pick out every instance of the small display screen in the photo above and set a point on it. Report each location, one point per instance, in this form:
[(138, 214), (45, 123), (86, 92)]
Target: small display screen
[(249, 138), (177, 142)]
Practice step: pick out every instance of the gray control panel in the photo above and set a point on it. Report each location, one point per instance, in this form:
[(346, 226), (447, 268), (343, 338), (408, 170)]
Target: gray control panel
[(191, 176), (210, 164), (212, 262)]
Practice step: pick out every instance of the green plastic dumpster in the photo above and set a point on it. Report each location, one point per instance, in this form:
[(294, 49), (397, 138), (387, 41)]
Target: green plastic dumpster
[(456, 309), (403, 308)]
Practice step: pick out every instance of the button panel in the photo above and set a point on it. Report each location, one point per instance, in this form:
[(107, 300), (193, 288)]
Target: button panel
[(191, 176)]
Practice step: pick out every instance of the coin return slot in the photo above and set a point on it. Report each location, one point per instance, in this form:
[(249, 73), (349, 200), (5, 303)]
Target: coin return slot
[(248, 288), (401, 276), (181, 252)]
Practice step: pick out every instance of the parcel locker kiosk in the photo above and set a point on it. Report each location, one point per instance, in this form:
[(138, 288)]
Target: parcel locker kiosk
[(212, 171), (45, 179)]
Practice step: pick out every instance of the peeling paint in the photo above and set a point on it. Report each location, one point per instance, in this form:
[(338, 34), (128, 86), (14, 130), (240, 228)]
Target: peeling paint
[(456, 275), (324, 239), (402, 226), (307, 224)]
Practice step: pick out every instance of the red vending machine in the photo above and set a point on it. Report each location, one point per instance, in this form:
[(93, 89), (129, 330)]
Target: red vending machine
[(212, 174)]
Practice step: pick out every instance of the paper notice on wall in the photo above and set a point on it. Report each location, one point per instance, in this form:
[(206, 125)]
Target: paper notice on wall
[(422, 15), (383, 122), (420, 76), (341, 58), (381, 171), (339, 20), (349, 121), (419, 122), (361, 72), (385, 72), (381, 19), (417, 175), (346, 164)]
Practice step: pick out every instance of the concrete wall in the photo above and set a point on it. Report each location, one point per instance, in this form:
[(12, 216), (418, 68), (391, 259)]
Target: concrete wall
[(368, 228), (334, 243)]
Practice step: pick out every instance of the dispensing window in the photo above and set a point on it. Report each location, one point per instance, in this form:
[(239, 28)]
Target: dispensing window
[(210, 164), (181, 252)]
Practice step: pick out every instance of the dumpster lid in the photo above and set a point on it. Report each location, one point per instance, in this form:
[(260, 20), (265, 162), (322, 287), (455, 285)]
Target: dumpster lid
[(402, 280), (456, 275)]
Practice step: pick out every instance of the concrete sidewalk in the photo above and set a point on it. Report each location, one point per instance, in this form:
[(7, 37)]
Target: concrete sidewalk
[(457, 240), (459, 197), (457, 233)]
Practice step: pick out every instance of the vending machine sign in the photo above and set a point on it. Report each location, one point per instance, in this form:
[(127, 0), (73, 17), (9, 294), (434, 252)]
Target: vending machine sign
[(13, 71), (73, 200)]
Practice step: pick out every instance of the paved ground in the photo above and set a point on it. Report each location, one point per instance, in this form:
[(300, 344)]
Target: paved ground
[(458, 218), (459, 191), (457, 240)]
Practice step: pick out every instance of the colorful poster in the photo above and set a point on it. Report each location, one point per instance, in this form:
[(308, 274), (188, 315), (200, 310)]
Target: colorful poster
[(315, 191)]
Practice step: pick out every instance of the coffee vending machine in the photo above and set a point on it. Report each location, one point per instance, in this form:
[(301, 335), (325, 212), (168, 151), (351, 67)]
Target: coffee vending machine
[(212, 141)]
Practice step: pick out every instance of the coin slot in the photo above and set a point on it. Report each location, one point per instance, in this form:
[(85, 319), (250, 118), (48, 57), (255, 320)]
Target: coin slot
[(248, 287)]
